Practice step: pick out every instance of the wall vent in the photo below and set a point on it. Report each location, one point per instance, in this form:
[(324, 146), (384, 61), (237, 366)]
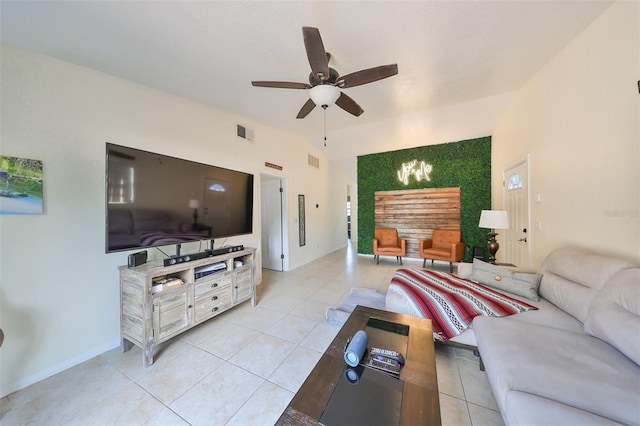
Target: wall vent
[(244, 132), (314, 161)]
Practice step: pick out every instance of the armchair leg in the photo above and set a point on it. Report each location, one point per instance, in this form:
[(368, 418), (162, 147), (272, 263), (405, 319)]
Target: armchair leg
[(451, 267), (399, 259), (424, 263), (377, 259)]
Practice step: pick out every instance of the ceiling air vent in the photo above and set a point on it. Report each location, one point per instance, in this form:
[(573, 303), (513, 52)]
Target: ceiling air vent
[(314, 161), (244, 132)]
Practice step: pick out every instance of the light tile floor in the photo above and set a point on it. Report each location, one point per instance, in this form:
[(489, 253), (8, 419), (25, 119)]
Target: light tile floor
[(244, 366)]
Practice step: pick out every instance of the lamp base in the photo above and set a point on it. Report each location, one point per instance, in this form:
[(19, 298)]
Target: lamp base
[(492, 247)]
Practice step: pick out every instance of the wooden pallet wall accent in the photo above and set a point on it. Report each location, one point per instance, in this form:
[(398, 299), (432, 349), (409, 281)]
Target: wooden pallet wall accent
[(415, 213)]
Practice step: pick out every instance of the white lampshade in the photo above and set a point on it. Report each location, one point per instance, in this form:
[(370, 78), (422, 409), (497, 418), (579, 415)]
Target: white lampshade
[(324, 94), (494, 219), (194, 203)]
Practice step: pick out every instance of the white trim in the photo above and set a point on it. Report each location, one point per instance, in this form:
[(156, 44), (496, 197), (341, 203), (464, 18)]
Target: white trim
[(23, 382), (523, 160)]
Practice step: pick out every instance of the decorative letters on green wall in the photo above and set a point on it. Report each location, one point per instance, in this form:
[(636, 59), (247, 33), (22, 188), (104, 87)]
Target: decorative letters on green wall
[(466, 164)]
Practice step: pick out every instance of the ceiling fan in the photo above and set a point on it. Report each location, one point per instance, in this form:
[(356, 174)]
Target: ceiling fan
[(325, 82)]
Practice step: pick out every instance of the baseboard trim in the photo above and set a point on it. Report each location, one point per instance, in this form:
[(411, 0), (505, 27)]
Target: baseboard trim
[(8, 388)]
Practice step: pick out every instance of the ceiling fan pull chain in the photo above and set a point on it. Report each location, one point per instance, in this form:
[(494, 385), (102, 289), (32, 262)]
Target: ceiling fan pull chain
[(324, 107)]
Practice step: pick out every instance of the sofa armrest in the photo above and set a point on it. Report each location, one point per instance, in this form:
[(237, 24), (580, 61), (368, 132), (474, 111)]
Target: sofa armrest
[(403, 243), (375, 244)]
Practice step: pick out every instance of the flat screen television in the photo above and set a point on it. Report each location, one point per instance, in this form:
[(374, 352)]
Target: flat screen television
[(154, 200)]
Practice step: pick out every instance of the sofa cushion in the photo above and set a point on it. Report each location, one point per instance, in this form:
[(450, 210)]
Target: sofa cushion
[(519, 283), (549, 315), (571, 278), (614, 314), (573, 369), (526, 409)]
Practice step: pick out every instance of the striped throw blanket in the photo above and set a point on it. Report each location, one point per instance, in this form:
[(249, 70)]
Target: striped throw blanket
[(452, 302)]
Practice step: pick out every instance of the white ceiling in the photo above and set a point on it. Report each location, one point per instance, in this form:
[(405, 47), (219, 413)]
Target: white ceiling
[(448, 52)]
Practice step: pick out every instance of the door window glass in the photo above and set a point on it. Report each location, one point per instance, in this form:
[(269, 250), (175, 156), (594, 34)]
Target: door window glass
[(515, 182)]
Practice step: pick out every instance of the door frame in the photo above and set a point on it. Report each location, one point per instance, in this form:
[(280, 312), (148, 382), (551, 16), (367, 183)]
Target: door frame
[(526, 160)]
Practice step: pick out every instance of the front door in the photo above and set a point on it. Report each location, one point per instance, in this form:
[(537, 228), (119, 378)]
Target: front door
[(517, 238)]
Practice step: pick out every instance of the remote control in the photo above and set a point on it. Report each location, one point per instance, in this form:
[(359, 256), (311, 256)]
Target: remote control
[(387, 354), (387, 364)]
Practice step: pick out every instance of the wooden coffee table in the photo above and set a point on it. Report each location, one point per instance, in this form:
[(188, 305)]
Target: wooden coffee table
[(420, 402)]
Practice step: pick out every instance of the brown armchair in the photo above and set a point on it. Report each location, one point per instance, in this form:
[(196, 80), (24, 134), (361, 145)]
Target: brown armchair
[(387, 243), (444, 245)]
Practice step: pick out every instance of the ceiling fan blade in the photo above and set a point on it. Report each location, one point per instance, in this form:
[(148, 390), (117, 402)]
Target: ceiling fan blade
[(367, 76), (306, 109), (281, 84), (315, 52), (349, 105)]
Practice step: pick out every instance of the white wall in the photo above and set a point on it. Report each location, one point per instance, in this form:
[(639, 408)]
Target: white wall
[(579, 118), (450, 123), (59, 291)]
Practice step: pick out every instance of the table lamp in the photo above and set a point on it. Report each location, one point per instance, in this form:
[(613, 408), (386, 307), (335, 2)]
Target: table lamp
[(493, 219)]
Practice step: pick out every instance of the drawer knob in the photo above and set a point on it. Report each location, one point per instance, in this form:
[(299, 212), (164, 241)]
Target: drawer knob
[(214, 309), (214, 298), (214, 285)]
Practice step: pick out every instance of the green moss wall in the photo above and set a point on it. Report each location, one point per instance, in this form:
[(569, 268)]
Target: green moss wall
[(466, 164)]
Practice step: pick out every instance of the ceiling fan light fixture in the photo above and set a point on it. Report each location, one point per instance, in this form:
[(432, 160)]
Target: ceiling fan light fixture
[(324, 94)]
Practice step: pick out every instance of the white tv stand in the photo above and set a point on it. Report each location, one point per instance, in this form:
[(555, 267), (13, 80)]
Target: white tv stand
[(149, 316)]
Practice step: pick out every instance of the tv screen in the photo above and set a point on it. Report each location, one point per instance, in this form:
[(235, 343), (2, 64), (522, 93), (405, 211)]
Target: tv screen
[(153, 200)]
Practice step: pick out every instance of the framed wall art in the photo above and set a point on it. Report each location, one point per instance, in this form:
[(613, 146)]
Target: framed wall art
[(20, 185)]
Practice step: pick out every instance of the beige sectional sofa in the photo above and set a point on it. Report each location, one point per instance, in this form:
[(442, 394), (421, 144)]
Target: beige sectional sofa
[(578, 362)]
